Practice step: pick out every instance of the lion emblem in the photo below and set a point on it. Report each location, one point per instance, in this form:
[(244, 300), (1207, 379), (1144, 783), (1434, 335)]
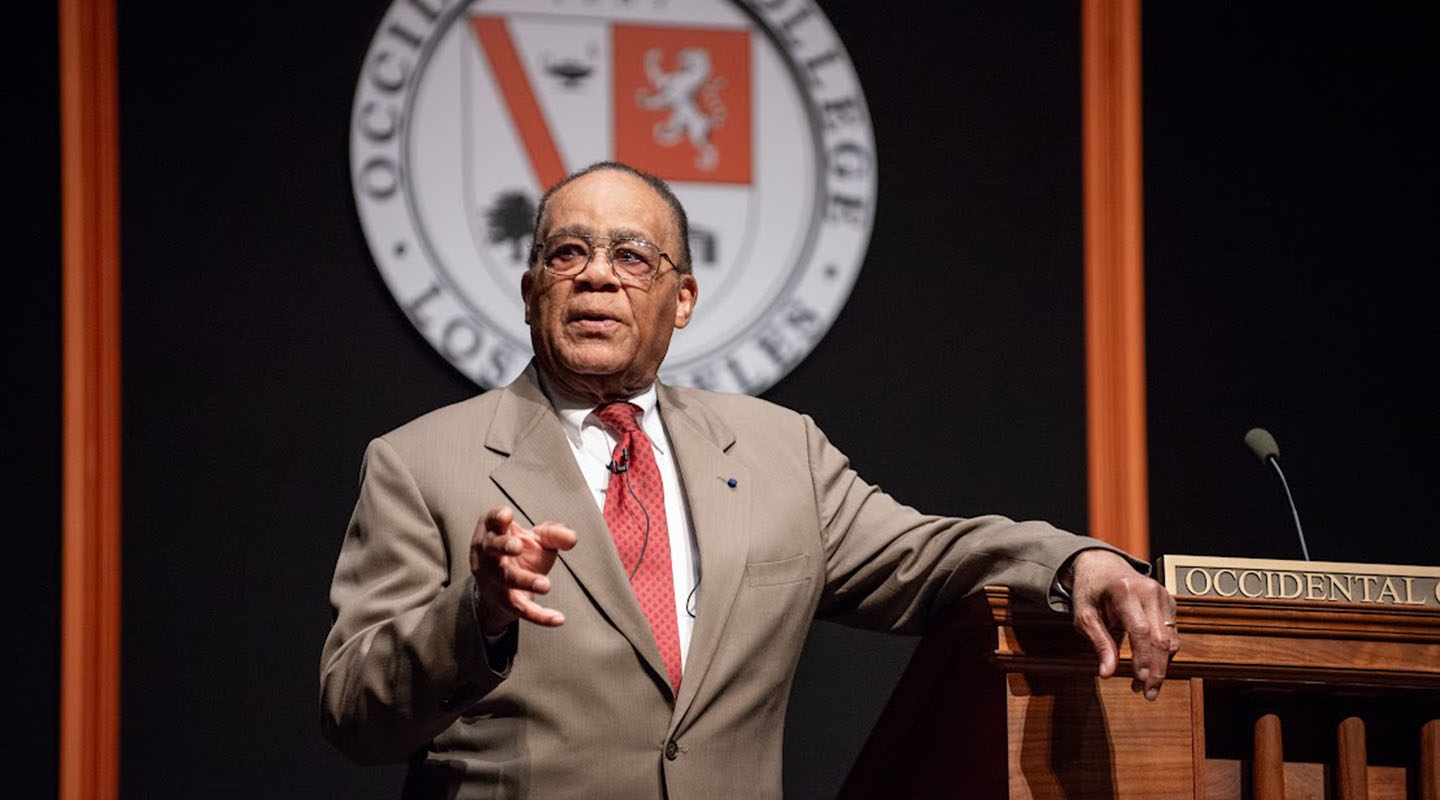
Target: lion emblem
[(692, 96)]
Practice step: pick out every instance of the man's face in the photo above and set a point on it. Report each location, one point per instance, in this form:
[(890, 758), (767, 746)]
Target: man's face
[(594, 337)]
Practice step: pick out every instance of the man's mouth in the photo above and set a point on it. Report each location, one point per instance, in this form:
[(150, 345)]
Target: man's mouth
[(593, 320)]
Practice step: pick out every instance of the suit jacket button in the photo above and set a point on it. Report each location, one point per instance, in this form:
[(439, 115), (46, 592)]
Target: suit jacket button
[(463, 695), (672, 750)]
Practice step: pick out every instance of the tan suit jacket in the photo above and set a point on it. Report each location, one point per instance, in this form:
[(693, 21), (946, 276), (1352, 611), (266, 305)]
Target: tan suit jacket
[(585, 710)]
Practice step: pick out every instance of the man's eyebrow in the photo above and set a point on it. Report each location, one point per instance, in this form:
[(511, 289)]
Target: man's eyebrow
[(613, 233), (627, 233), (572, 230)]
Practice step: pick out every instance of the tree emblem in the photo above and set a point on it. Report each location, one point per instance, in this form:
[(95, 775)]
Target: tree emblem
[(512, 219)]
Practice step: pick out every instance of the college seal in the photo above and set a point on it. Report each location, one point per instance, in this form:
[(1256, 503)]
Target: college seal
[(466, 111)]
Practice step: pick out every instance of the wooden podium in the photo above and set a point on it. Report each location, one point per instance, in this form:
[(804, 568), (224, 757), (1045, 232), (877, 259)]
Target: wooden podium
[(1266, 699)]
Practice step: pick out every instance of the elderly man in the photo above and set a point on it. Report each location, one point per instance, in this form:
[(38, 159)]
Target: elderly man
[(590, 584)]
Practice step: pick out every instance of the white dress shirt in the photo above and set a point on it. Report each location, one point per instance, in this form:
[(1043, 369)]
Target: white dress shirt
[(593, 443)]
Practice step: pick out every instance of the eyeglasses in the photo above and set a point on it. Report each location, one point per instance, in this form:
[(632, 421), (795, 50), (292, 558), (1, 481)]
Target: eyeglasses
[(633, 260)]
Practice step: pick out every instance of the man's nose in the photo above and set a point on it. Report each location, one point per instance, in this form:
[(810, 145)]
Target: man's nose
[(600, 271)]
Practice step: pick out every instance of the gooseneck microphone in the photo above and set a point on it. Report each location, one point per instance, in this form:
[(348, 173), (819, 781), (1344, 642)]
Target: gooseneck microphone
[(1263, 445)]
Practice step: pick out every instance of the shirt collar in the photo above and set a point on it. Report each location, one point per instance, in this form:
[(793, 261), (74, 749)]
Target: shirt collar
[(576, 415)]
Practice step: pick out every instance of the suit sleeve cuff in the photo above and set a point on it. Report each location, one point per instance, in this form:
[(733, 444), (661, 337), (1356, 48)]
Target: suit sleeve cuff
[(1060, 596), (497, 652)]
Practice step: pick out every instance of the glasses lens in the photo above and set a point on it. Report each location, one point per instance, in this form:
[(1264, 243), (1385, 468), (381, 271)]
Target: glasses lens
[(566, 255), (634, 258)]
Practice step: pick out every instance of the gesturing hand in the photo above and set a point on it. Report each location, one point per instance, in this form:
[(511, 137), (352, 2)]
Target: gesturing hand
[(511, 565), (1108, 593)]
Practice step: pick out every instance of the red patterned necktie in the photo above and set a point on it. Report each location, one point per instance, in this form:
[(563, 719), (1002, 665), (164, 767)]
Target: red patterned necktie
[(635, 512)]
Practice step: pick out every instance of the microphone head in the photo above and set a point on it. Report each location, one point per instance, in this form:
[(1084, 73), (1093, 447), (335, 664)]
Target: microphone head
[(1262, 444)]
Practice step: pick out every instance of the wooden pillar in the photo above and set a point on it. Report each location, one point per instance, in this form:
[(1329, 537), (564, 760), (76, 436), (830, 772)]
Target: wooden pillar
[(1350, 760), (1268, 765), (90, 472), (1114, 266)]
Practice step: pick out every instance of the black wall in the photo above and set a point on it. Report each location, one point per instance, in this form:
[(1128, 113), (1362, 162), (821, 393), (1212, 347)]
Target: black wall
[(1291, 236), (1290, 226), (30, 403)]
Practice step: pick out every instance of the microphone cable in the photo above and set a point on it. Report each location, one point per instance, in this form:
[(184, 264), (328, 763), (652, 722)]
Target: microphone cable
[(644, 540)]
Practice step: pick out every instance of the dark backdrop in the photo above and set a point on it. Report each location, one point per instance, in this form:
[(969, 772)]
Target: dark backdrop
[(1290, 225), (30, 402)]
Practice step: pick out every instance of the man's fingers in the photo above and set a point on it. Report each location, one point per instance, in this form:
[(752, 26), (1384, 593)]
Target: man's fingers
[(555, 536), (491, 539), (530, 610), (513, 539), (502, 545), (1164, 642), (1148, 616), (1149, 662), (521, 604), (518, 577), (1088, 621), (498, 519)]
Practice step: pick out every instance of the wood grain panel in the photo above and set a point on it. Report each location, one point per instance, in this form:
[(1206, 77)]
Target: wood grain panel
[(90, 479), (1066, 735), (1114, 290)]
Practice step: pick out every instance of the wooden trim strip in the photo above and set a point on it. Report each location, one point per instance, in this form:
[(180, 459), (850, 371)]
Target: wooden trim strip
[(1430, 760), (1199, 784), (90, 435), (1114, 289)]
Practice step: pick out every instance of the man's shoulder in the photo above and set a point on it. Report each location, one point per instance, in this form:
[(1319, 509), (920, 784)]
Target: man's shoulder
[(729, 417), (729, 405), (449, 423)]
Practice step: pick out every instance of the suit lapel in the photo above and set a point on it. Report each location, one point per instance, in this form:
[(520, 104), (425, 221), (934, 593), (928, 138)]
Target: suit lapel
[(542, 480), (720, 517)]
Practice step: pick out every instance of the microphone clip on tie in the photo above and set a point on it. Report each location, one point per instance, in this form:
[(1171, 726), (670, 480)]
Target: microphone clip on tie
[(623, 465)]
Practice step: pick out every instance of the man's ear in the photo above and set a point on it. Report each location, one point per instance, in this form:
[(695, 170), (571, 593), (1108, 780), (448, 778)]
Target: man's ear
[(527, 286), (686, 294)]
